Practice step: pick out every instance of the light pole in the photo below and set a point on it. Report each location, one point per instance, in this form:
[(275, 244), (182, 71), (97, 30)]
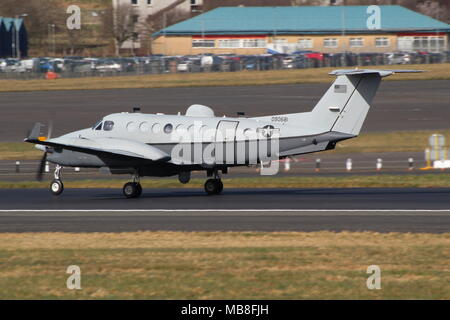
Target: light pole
[(15, 44), (51, 30)]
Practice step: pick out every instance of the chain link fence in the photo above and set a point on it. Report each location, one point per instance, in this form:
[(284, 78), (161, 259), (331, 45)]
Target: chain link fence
[(77, 67)]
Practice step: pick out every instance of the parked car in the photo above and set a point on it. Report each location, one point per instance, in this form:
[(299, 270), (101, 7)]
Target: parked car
[(398, 58), (107, 65)]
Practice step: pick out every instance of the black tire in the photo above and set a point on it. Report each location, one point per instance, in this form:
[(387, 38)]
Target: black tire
[(213, 186), (132, 190), (56, 187), (139, 190), (219, 186)]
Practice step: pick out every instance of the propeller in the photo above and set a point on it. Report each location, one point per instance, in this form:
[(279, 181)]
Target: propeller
[(41, 168)]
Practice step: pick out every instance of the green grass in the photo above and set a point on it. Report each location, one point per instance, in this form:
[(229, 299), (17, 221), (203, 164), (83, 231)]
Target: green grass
[(251, 265), (244, 78), (432, 180)]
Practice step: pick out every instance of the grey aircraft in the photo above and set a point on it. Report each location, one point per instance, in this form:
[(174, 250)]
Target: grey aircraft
[(166, 145)]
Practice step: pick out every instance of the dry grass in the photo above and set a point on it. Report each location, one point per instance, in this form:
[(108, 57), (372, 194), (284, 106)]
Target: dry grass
[(18, 151), (251, 265), (396, 141), (244, 78)]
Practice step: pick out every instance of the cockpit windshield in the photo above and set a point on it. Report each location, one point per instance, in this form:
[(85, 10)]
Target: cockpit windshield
[(97, 126)]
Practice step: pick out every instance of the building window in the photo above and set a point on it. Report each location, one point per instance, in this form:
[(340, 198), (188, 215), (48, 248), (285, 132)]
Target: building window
[(134, 2), (279, 41), (382, 42), (149, 2), (422, 43), (242, 43), (253, 43), (405, 43), (429, 43), (203, 43), (229, 43), (305, 43), (330, 43), (135, 18), (356, 42)]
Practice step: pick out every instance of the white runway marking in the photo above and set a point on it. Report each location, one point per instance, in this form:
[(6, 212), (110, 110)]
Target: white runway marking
[(226, 210)]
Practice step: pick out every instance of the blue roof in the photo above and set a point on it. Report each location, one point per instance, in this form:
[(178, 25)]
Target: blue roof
[(302, 19), (8, 23)]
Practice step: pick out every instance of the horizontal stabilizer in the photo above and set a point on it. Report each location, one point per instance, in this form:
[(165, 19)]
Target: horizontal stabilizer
[(382, 73)]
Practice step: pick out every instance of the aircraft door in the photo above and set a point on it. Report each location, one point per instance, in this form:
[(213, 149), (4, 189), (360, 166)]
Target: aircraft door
[(225, 142)]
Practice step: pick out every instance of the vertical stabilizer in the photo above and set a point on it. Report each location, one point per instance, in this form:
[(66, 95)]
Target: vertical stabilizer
[(345, 105)]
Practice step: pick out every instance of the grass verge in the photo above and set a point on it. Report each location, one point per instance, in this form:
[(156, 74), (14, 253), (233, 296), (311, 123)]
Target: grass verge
[(432, 180), (397, 141), (201, 265), (244, 78)]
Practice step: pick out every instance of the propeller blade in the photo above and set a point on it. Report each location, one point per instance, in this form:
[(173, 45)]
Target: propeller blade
[(50, 129), (41, 168)]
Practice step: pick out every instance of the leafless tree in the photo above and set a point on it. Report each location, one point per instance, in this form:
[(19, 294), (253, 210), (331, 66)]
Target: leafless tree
[(435, 10), (120, 23), (212, 4)]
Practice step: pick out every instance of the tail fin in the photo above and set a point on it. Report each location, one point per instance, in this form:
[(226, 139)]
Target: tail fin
[(345, 105)]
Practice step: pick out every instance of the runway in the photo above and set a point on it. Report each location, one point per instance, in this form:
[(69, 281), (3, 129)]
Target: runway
[(398, 105), (105, 210)]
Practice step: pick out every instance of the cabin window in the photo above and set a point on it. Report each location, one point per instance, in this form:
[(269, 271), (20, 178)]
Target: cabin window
[(168, 128), (131, 126), (109, 125), (191, 130), (156, 128), (144, 127)]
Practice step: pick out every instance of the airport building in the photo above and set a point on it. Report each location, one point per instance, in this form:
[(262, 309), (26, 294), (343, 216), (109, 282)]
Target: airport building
[(257, 30), (13, 38)]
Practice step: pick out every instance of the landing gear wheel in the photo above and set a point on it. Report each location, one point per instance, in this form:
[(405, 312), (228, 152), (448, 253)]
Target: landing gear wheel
[(213, 186), (56, 187), (139, 189), (132, 189)]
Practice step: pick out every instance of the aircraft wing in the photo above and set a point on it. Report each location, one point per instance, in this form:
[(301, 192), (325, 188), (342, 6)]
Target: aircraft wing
[(114, 146)]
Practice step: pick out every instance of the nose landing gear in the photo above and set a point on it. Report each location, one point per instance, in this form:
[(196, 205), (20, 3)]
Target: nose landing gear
[(57, 187)]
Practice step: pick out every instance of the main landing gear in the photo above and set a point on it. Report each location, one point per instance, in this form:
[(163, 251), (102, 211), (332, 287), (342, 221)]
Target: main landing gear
[(57, 187), (133, 189), (214, 186)]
